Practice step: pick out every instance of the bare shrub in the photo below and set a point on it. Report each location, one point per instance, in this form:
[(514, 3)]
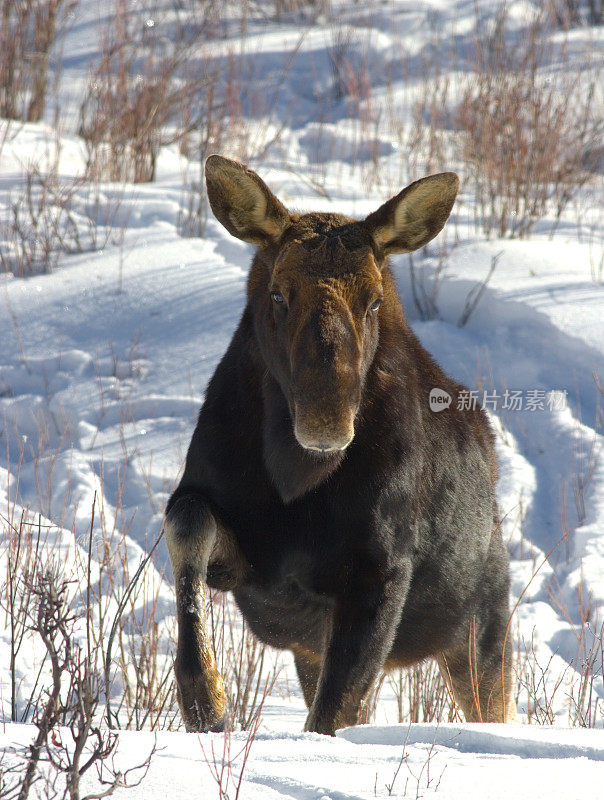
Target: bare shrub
[(220, 126), (69, 740), (425, 290), (28, 32), (595, 243), (565, 12), (426, 283), (596, 12), (527, 136), (193, 213), (118, 598), (290, 6), (418, 112), (427, 140), (474, 295), (222, 765), (144, 664), (21, 545), (129, 651), (242, 660), (586, 700), (415, 781), (584, 686), (49, 214), (577, 681), (343, 39), (39, 223), (542, 684), (422, 694), (572, 13), (140, 95), (212, 130)]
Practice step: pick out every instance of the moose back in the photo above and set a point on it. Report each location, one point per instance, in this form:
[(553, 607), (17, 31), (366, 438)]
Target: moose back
[(354, 526)]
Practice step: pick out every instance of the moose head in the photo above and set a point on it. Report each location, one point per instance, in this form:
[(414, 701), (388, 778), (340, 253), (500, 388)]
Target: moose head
[(318, 289)]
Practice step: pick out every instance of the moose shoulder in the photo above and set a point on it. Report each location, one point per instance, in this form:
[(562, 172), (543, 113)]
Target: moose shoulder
[(354, 526)]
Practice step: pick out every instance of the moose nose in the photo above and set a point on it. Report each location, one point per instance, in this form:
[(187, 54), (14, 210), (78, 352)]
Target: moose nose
[(326, 446), (314, 432)]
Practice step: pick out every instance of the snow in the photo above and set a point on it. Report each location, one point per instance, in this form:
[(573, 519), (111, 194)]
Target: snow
[(454, 762), (104, 362), (448, 761)]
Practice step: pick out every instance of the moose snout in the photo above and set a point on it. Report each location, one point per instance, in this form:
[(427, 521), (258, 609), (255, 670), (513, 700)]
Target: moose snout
[(317, 431), (325, 386)]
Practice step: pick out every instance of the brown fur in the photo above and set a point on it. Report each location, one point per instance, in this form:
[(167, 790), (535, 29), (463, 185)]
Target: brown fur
[(354, 526)]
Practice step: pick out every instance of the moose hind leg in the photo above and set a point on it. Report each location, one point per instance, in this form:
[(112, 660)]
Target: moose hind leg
[(484, 694), (190, 531), (308, 667), (479, 670)]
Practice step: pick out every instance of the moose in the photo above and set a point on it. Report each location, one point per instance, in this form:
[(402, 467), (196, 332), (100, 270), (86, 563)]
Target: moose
[(354, 525)]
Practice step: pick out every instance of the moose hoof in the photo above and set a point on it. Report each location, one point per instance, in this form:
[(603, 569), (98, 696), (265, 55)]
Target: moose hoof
[(202, 703), (315, 725), (328, 724), (196, 721)]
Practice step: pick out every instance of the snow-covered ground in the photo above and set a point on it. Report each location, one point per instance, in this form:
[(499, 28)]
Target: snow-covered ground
[(454, 762), (103, 365)]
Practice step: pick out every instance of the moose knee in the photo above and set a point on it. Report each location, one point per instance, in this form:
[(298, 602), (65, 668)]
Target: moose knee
[(190, 530)]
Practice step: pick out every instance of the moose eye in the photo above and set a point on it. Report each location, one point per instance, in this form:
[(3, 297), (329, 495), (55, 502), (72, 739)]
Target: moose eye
[(277, 297), (376, 304)]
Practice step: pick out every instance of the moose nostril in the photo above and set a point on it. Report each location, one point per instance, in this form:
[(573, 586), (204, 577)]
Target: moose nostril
[(323, 446)]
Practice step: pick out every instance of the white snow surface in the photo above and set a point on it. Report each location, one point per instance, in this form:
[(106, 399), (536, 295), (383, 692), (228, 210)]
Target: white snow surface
[(455, 762), (104, 363)]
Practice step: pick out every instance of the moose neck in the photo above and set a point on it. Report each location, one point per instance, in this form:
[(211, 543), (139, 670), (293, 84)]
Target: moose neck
[(293, 470)]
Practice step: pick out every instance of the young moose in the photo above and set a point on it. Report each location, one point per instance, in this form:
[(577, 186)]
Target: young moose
[(354, 525)]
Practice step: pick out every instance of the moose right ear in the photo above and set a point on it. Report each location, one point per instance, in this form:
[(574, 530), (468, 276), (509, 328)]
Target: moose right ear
[(243, 203)]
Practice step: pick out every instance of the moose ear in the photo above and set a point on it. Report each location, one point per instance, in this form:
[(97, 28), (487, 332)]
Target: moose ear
[(414, 216), (243, 203)]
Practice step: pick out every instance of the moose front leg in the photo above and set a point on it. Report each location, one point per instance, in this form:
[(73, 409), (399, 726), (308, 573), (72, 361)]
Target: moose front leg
[(363, 629), (190, 530)]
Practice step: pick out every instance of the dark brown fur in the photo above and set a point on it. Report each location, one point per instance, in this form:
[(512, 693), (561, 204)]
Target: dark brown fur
[(355, 526)]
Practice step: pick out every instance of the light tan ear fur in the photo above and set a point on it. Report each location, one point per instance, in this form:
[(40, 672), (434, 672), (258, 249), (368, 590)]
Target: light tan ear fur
[(243, 203), (415, 216)]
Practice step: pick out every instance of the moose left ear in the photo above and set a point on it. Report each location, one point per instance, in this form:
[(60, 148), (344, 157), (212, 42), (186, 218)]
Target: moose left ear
[(414, 216)]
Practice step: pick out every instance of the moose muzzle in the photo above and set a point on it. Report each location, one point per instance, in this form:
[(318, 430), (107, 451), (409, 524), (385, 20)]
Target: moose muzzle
[(323, 431)]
